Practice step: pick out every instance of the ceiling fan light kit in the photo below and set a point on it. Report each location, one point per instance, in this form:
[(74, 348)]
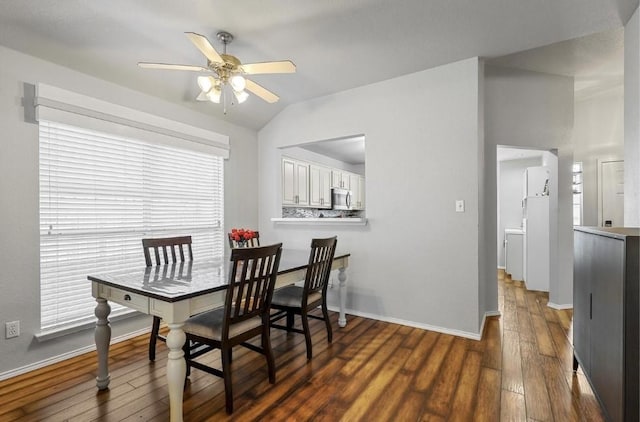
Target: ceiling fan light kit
[(227, 73)]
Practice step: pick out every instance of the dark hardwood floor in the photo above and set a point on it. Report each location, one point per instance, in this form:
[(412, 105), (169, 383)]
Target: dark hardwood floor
[(373, 371)]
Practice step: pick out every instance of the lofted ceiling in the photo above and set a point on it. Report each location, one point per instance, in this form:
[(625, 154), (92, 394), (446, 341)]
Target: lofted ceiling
[(336, 45)]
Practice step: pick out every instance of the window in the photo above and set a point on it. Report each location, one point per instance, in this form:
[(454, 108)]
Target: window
[(577, 194), (100, 194)]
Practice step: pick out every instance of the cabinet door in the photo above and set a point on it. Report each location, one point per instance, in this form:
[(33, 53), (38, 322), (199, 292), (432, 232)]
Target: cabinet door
[(289, 187), (361, 191), (607, 325), (302, 183), (355, 191), (295, 183), (319, 186), (582, 273), (325, 176), (336, 179)]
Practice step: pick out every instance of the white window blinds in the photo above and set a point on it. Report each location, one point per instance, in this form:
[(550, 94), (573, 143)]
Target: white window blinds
[(100, 194)]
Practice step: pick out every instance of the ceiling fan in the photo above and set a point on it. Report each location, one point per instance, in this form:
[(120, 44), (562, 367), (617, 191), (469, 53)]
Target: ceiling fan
[(227, 72)]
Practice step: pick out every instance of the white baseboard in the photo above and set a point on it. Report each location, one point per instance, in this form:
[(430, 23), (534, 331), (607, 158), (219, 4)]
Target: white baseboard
[(450, 331), (556, 306), (41, 364)]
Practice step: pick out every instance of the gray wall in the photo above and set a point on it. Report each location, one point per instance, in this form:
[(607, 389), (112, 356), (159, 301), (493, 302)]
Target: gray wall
[(598, 135), (19, 250), (632, 121), (417, 261), (535, 110)]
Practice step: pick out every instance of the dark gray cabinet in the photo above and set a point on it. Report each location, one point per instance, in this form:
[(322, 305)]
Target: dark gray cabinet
[(606, 317)]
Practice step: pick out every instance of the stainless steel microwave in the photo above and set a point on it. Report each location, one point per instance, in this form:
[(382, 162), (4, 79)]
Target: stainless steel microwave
[(341, 199)]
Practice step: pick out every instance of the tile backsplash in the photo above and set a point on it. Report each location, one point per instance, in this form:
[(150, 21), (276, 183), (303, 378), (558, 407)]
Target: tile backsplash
[(290, 212)]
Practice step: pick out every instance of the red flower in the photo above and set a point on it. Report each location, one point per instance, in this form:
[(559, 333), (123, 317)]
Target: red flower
[(242, 235)]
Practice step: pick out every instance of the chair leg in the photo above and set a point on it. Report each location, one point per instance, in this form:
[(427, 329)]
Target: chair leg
[(268, 353), (155, 328), (327, 322), (226, 374), (307, 332), (290, 316)]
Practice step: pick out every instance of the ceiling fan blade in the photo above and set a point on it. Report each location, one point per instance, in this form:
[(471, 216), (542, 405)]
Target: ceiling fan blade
[(284, 66), (261, 92), (168, 66), (203, 44)]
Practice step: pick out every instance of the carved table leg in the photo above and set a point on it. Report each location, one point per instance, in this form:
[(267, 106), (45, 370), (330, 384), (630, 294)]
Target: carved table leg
[(342, 277), (176, 369), (102, 338)]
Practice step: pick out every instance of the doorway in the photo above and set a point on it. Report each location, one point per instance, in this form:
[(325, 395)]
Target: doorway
[(526, 194)]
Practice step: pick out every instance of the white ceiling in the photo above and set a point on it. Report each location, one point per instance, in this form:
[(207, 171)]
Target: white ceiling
[(336, 45), (348, 150)]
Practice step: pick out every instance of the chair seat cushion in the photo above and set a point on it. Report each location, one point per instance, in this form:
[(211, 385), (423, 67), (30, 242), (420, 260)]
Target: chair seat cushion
[(291, 296), (209, 325)]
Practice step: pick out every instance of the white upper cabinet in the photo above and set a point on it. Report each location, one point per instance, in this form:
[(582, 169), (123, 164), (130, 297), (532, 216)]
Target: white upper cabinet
[(356, 183), (295, 183), (319, 186), (357, 187), (340, 179), (307, 184)]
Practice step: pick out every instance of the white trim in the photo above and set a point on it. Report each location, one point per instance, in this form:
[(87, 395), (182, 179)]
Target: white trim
[(502, 267), (453, 332), (68, 355), (57, 104), (563, 306)]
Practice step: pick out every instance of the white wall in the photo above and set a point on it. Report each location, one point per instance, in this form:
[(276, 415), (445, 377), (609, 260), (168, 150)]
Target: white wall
[(19, 249), (417, 260), (510, 191), (598, 135), (632, 121), (535, 110)]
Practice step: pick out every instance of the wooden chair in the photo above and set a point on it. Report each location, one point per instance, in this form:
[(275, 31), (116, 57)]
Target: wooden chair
[(255, 241), (245, 314), (164, 250), (291, 300)]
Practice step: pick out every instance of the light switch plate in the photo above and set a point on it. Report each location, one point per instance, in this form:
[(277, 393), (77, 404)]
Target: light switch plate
[(460, 205)]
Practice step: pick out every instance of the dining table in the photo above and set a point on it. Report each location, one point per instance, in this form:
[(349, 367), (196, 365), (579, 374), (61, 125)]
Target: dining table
[(176, 291)]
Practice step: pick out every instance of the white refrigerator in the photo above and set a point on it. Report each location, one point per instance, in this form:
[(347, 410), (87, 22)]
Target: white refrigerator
[(536, 243)]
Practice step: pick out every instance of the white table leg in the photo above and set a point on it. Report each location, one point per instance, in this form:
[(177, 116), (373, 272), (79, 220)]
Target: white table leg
[(342, 277), (176, 369), (102, 338)]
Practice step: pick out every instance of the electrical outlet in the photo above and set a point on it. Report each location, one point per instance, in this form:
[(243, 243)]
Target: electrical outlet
[(12, 329)]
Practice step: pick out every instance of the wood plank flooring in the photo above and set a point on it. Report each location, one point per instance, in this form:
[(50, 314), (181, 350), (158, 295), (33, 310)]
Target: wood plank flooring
[(373, 371)]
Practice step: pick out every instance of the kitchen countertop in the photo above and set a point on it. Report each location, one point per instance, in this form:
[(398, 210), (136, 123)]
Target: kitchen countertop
[(615, 232)]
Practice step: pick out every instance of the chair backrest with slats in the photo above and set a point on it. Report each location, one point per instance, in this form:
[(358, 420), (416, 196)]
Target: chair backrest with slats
[(252, 243), (252, 278), (167, 250), (319, 268)]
